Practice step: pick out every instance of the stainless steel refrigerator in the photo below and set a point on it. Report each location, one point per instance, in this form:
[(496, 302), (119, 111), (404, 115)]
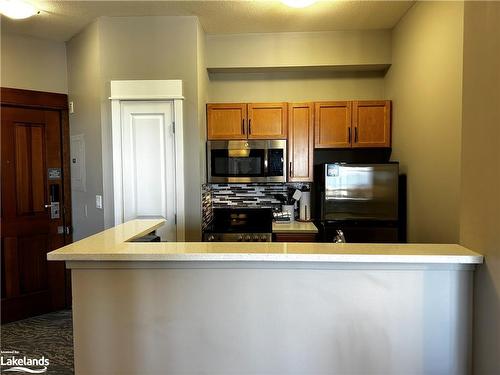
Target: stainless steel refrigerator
[(361, 199), (360, 192)]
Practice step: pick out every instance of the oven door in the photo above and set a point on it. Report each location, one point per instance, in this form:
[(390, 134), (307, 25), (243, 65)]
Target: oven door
[(246, 161), (242, 220)]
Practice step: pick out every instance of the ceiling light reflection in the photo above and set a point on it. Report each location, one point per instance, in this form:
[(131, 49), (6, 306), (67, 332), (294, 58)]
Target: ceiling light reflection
[(298, 3)]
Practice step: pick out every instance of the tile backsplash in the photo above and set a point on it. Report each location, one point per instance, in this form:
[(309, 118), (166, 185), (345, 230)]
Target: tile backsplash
[(206, 206), (241, 195)]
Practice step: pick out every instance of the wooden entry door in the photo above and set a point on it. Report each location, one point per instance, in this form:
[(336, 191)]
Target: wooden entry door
[(35, 208)]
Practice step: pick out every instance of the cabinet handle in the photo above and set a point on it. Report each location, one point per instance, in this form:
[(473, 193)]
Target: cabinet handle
[(290, 171), (249, 126), (349, 134), (243, 126), (356, 135)]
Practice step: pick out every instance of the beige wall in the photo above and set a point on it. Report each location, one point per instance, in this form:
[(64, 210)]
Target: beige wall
[(425, 85), (295, 86), (203, 82), (299, 49), (125, 48), (84, 90), (154, 48), (33, 64), (308, 49), (296, 50), (480, 198)]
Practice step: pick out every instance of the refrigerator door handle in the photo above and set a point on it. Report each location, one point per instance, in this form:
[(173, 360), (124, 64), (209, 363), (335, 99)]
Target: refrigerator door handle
[(322, 196)]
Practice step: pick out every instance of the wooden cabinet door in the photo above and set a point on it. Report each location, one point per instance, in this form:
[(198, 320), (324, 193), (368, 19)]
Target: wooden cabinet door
[(226, 121), (267, 120), (300, 141), (372, 123), (332, 124)]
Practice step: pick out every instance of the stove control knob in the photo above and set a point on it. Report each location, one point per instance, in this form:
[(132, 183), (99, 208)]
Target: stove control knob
[(247, 238), (263, 238), (240, 238), (211, 238)]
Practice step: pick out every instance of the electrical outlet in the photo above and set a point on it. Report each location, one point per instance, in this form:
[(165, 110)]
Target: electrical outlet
[(98, 201), (71, 107)]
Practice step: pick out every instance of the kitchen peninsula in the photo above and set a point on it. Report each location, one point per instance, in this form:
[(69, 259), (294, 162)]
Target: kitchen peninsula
[(276, 308)]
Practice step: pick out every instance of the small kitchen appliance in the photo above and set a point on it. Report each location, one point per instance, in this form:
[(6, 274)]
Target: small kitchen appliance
[(289, 210), (305, 206)]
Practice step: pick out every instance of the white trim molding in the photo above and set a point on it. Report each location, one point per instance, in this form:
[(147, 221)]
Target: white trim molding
[(148, 90)]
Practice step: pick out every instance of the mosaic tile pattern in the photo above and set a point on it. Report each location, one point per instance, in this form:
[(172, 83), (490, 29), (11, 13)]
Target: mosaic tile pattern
[(241, 195), (246, 195), (206, 206)]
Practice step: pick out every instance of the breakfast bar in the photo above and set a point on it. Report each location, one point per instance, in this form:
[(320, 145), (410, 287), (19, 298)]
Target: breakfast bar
[(267, 308)]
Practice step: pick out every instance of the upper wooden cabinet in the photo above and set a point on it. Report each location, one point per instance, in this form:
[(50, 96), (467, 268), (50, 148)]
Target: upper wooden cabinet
[(267, 120), (242, 121), (337, 124), (356, 124), (226, 121), (332, 124), (371, 121), (300, 142)]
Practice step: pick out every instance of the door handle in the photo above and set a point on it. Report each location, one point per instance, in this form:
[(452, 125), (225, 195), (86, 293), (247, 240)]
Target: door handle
[(349, 135), (54, 210), (356, 135), (249, 126), (290, 171), (242, 126)]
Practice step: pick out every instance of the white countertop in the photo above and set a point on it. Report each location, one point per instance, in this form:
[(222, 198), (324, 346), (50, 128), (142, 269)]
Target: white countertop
[(112, 245), (295, 227)]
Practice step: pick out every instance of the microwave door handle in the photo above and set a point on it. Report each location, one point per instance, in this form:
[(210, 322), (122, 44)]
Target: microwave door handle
[(266, 153)]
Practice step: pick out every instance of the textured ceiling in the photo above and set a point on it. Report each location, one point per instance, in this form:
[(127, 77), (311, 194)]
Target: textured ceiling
[(60, 20)]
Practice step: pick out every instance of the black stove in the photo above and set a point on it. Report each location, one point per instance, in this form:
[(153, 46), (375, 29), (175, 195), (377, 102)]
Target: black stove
[(240, 225)]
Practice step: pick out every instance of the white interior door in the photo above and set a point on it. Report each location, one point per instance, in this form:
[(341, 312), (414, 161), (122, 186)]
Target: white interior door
[(148, 163)]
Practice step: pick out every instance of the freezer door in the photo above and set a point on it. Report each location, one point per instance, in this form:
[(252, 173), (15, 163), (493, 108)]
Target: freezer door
[(361, 191)]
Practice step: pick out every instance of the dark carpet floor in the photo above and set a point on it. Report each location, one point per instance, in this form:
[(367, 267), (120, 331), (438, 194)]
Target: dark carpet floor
[(50, 335)]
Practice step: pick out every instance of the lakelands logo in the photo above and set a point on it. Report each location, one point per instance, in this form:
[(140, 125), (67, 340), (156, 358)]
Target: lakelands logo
[(23, 364)]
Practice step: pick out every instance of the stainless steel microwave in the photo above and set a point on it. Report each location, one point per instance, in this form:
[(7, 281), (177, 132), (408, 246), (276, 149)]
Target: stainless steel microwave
[(246, 161)]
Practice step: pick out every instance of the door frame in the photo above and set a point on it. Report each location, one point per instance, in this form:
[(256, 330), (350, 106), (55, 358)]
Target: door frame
[(148, 90)]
